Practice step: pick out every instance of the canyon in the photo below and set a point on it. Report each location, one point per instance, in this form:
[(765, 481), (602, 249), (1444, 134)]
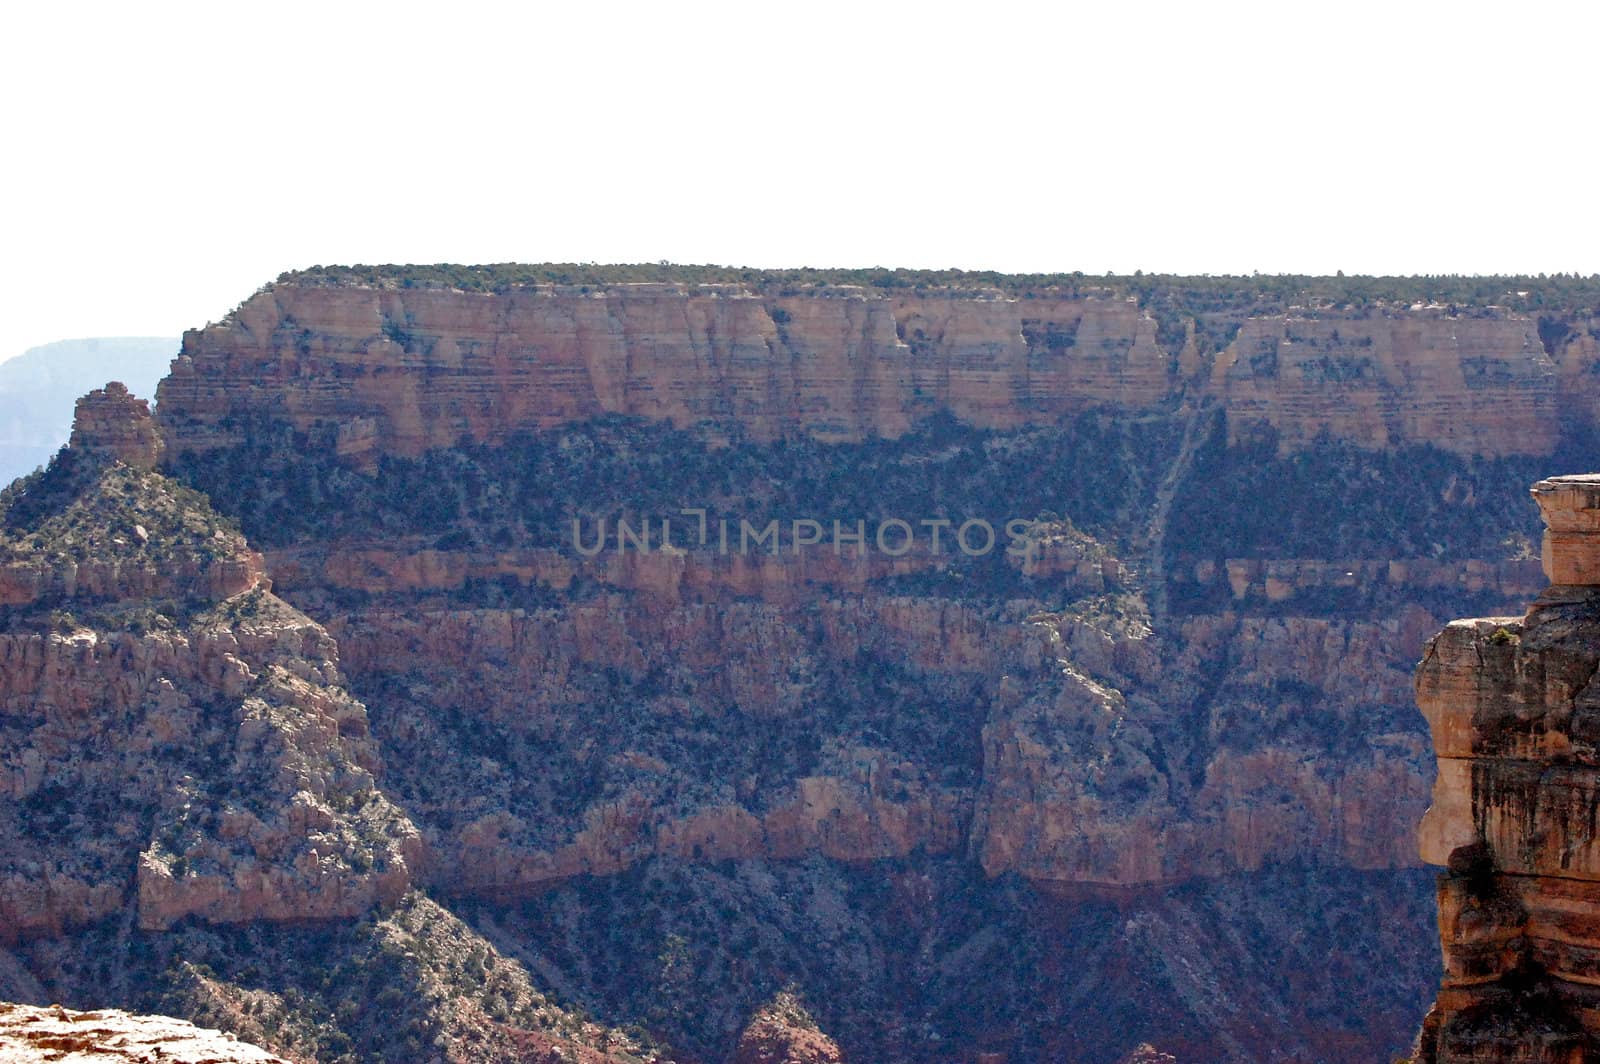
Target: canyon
[(1066, 805)]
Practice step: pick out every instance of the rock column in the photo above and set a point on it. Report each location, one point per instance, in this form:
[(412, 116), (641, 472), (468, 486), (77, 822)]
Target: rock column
[(109, 421), (1514, 707)]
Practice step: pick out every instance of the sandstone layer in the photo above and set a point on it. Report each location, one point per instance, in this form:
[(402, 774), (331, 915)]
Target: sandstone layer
[(1045, 745), (1513, 704)]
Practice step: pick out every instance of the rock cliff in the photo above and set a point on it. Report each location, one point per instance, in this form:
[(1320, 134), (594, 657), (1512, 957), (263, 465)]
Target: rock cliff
[(181, 767), (1512, 705)]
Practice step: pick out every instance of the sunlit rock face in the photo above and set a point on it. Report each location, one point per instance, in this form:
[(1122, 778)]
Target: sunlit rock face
[(30, 1034), (1514, 706)]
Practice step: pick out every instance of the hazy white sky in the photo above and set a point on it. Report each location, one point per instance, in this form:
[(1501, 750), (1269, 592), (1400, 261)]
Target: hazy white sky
[(163, 161)]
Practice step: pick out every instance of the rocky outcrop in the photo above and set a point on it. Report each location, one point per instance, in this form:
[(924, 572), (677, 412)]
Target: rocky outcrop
[(39, 387), (1513, 706), (100, 525), (1571, 510), (784, 1033), (1087, 779), (395, 369), (31, 1033), (216, 769)]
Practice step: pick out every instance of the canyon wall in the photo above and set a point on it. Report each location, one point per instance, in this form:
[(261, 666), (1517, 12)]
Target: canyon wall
[(184, 749), (396, 369), (1042, 746)]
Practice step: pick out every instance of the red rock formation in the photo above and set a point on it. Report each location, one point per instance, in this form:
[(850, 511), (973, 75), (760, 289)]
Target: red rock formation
[(1419, 377), (113, 529), (1515, 713), (1092, 751), (1092, 809), (399, 370), (114, 721)]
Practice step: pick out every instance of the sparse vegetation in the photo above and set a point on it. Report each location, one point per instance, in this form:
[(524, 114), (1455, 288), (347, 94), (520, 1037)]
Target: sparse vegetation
[(81, 509)]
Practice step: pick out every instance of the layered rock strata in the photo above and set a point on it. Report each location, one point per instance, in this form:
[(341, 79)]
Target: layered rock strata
[(1514, 707), (392, 369)]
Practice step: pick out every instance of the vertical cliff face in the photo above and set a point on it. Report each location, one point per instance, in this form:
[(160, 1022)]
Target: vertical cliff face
[(1514, 706), (396, 369)]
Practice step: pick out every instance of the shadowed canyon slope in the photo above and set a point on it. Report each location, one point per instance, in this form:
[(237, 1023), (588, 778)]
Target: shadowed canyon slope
[(1051, 803)]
